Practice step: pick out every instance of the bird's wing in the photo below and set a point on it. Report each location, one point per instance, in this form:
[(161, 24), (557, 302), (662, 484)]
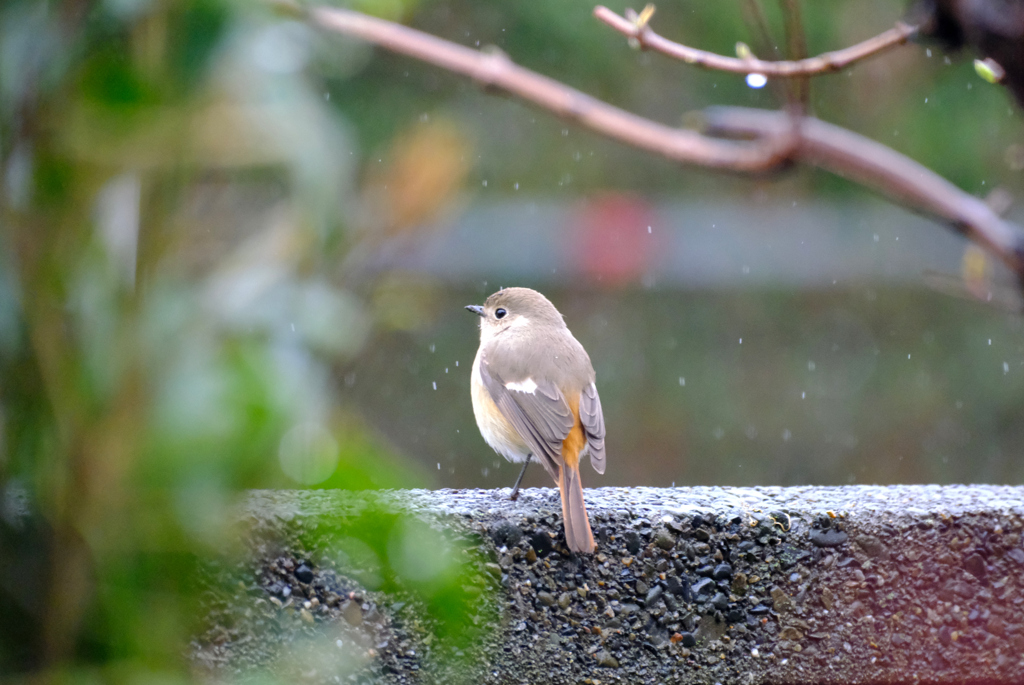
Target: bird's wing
[(536, 409), (593, 425)]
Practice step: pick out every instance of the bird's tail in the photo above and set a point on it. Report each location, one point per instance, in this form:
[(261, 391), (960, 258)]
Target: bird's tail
[(574, 512)]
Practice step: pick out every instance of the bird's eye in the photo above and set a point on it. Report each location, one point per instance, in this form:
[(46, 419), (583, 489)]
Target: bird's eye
[(499, 313)]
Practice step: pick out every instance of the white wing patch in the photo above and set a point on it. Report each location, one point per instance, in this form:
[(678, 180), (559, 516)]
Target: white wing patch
[(528, 386)]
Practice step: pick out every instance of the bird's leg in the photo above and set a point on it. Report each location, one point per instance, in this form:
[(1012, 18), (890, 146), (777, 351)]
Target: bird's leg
[(515, 488)]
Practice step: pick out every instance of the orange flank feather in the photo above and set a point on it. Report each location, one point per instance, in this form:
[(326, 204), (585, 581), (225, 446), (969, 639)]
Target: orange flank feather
[(574, 442), (574, 512)]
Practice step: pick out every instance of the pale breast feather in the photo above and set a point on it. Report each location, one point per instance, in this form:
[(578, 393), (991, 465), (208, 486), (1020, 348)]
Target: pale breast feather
[(497, 431)]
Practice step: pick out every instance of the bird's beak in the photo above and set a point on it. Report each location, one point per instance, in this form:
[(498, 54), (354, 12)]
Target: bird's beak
[(476, 309)]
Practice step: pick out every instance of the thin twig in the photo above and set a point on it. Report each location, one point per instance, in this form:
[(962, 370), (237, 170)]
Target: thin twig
[(877, 166), (796, 37), (822, 64), (760, 28), (796, 46), (496, 70)]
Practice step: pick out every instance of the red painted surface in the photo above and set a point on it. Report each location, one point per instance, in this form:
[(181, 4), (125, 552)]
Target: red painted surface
[(614, 243)]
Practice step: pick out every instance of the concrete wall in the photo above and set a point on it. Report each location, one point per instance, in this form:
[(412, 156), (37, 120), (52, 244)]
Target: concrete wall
[(697, 585)]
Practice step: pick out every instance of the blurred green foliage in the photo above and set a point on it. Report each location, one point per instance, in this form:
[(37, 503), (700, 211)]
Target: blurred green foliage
[(403, 556), (176, 202)]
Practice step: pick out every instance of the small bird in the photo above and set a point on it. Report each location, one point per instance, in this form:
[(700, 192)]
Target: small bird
[(534, 398)]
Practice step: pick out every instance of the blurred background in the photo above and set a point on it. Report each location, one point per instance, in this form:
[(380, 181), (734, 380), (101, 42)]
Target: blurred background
[(235, 253)]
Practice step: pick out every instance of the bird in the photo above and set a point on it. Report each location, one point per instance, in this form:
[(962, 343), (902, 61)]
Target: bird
[(535, 398)]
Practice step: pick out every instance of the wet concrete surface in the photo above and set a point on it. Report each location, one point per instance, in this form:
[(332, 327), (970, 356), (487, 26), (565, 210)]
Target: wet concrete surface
[(859, 584)]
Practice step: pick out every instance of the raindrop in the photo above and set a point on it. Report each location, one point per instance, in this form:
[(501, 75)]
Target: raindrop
[(741, 341), (803, 395), (757, 80), (908, 356), (928, 52), (1006, 368), (438, 466), (648, 229), (990, 341), (485, 183), (293, 328), (811, 366), (516, 186), (435, 385), (876, 238), (786, 435), (432, 348), (327, 96), (718, 433), (746, 269), (682, 381), (456, 363), (446, 369)]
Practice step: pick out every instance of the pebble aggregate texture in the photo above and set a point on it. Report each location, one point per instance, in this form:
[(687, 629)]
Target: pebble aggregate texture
[(859, 584)]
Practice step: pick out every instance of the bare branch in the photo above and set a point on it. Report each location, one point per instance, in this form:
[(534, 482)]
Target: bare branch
[(496, 70), (872, 164), (777, 136), (822, 64)]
